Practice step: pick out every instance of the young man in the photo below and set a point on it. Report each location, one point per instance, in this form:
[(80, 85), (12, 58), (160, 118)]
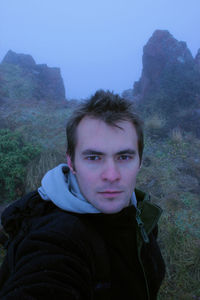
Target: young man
[(87, 233)]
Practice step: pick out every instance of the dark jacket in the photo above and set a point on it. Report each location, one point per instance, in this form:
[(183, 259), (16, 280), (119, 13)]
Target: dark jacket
[(54, 254)]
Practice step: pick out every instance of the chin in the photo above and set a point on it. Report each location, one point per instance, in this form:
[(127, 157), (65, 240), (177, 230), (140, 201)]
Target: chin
[(111, 209)]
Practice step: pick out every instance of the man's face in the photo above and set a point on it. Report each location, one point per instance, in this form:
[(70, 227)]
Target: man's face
[(106, 163)]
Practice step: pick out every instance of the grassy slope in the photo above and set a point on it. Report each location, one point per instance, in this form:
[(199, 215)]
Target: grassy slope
[(171, 171), (38, 121)]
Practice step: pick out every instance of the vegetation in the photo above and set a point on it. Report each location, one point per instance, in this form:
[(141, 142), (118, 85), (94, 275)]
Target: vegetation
[(171, 172), (155, 122), (14, 156), (47, 160)]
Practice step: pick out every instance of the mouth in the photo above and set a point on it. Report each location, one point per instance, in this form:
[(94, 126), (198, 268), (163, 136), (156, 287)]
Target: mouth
[(110, 194)]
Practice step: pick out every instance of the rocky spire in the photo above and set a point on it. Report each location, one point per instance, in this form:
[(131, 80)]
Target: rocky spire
[(161, 51)]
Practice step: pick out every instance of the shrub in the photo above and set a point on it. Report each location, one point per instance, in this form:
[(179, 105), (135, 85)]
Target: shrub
[(14, 156)]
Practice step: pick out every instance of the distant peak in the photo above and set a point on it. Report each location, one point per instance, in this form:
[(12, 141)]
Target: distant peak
[(161, 33), (24, 60)]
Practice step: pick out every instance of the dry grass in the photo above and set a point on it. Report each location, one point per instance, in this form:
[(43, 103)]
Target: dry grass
[(172, 174), (155, 122), (37, 168), (177, 135), (171, 171), (181, 253)]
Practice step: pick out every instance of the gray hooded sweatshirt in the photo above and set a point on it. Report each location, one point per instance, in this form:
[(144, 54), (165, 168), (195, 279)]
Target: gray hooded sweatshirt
[(62, 189)]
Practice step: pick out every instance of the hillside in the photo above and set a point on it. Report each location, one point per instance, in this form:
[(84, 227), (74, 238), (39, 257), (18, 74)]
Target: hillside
[(167, 95)]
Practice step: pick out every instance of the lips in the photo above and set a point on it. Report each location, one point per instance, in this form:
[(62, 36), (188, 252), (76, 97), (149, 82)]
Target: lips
[(110, 194)]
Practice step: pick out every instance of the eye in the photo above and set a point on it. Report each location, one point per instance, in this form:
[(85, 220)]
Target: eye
[(93, 157), (125, 157)]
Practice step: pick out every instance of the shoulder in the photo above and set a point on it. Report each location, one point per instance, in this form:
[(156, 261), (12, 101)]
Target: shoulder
[(33, 214), (49, 247)]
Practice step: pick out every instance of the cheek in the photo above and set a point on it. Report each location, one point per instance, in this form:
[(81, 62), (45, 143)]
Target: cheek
[(131, 175), (85, 179), (85, 171), (87, 185)]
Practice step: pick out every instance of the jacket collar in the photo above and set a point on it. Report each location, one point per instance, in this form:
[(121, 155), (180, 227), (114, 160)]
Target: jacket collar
[(148, 214)]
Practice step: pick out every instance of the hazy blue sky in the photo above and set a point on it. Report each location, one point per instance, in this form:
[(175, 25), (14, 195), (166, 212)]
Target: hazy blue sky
[(96, 43)]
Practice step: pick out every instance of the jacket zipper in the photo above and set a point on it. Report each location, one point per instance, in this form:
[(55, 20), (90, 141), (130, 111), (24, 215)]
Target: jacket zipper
[(146, 240), (141, 226)]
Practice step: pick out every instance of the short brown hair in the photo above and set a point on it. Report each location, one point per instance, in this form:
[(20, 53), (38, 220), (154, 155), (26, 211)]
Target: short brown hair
[(108, 107)]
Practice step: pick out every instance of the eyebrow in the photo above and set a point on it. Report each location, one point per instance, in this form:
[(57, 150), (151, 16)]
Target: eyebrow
[(94, 152), (126, 151)]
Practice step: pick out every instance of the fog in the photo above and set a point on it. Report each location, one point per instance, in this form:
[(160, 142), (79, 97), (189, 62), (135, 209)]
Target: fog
[(96, 44)]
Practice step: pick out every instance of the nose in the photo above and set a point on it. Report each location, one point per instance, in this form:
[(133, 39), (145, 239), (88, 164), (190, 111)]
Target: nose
[(110, 172)]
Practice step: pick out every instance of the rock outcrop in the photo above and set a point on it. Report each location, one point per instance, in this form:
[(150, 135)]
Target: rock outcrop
[(170, 82), (161, 54), (128, 94), (23, 60), (22, 78)]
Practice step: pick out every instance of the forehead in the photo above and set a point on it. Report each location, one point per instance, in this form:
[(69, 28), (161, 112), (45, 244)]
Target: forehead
[(96, 133)]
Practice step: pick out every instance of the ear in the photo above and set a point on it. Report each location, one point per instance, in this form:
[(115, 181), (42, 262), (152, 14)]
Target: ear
[(70, 164)]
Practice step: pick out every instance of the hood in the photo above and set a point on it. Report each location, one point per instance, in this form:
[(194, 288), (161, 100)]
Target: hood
[(60, 186)]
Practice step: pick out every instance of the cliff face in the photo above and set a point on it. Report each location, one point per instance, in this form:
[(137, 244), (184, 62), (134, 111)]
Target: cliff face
[(22, 78), (170, 82), (161, 52)]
